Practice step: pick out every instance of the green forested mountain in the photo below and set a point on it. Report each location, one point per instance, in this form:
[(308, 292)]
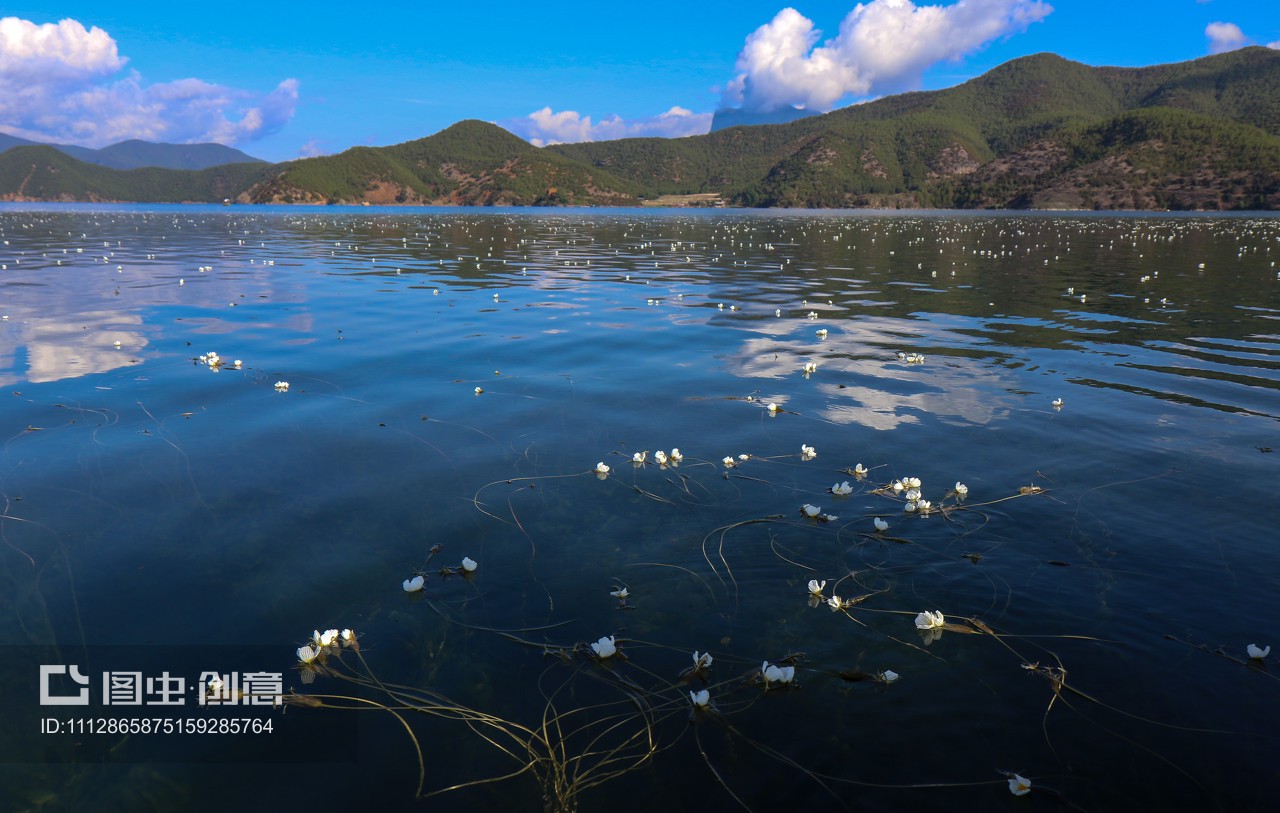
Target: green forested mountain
[(1037, 132)]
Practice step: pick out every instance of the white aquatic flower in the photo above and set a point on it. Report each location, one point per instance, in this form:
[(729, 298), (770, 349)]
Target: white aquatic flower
[(816, 587), (348, 637), (777, 674), (1057, 402), (237, 364), (859, 471), (962, 490), (601, 468), (660, 457), (822, 333), (909, 507), (811, 367), (1019, 785), (700, 699), (306, 654), (888, 676), (744, 457), (913, 494), (325, 638), (282, 386), (881, 525), (930, 620), (605, 648), (810, 510), (842, 489), (1255, 652), (414, 585), (924, 506), (835, 602), (913, 482), (640, 457), (728, 462), (620, 592), (807, 452), (813, 314), (479, 390), (701, 661), (469, 564), (897, 486), (772, 407), (675, 456)]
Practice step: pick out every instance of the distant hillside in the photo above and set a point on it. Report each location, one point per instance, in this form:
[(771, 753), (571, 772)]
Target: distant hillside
[(43, 173), (471, 163), (1037, 132), (134, 154)]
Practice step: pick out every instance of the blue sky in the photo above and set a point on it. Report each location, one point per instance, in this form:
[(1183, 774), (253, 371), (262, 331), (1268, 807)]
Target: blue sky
[(280, 81)]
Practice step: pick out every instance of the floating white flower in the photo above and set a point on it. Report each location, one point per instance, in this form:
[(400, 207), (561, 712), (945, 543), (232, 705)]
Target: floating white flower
[(348, 637), (816, 587), (842, 489), (306, 654), (810, 367), (601, 468), (414, 585), (604, 648), (912, 494), (729, 462), (813, 314), (911, 482), (700, 699), (744, 457), (807, 452), (822, 333), (962, 490), (479, 390), (772, 407), (881, 525), (930, 620), (810, 511), (237, 364), (897, 486), (1057, 402), (620, 592), (888, 676), (777, 674), (835, 602), (1255, 652), (325, 638), (859, 471), (924, 506), (469, 564), (675, 456), (909, 507), (640, 457), (660, 457), (701, 661), (282, 386), (215, 686), (1019, 785)]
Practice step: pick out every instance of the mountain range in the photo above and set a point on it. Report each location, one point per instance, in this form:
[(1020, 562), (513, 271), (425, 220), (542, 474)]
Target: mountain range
[(133, 154), (1037, 132)]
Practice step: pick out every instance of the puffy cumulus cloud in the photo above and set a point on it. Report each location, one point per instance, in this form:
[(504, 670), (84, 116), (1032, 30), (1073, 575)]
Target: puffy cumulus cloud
[(545, 126), (883, 46), (60, 82), (1224, 37)]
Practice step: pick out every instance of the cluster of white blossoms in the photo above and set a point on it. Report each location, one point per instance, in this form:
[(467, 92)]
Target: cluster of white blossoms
[(807, 452), (911, 358), (915, 502), (842, 489), (810, 367), (282, 386), (730, 462), (213, 361), (322, 643)]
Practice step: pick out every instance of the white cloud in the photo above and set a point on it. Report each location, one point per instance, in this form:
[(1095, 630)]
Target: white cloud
[(883, 46), (56, 84), (1224, 37), (544, 127), (1275, 45)]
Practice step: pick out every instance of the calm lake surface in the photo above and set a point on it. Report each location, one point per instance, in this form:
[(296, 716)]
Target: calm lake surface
[(455, 376)]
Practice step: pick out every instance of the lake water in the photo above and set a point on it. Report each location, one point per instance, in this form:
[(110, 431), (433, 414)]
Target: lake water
[(455, 376)]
